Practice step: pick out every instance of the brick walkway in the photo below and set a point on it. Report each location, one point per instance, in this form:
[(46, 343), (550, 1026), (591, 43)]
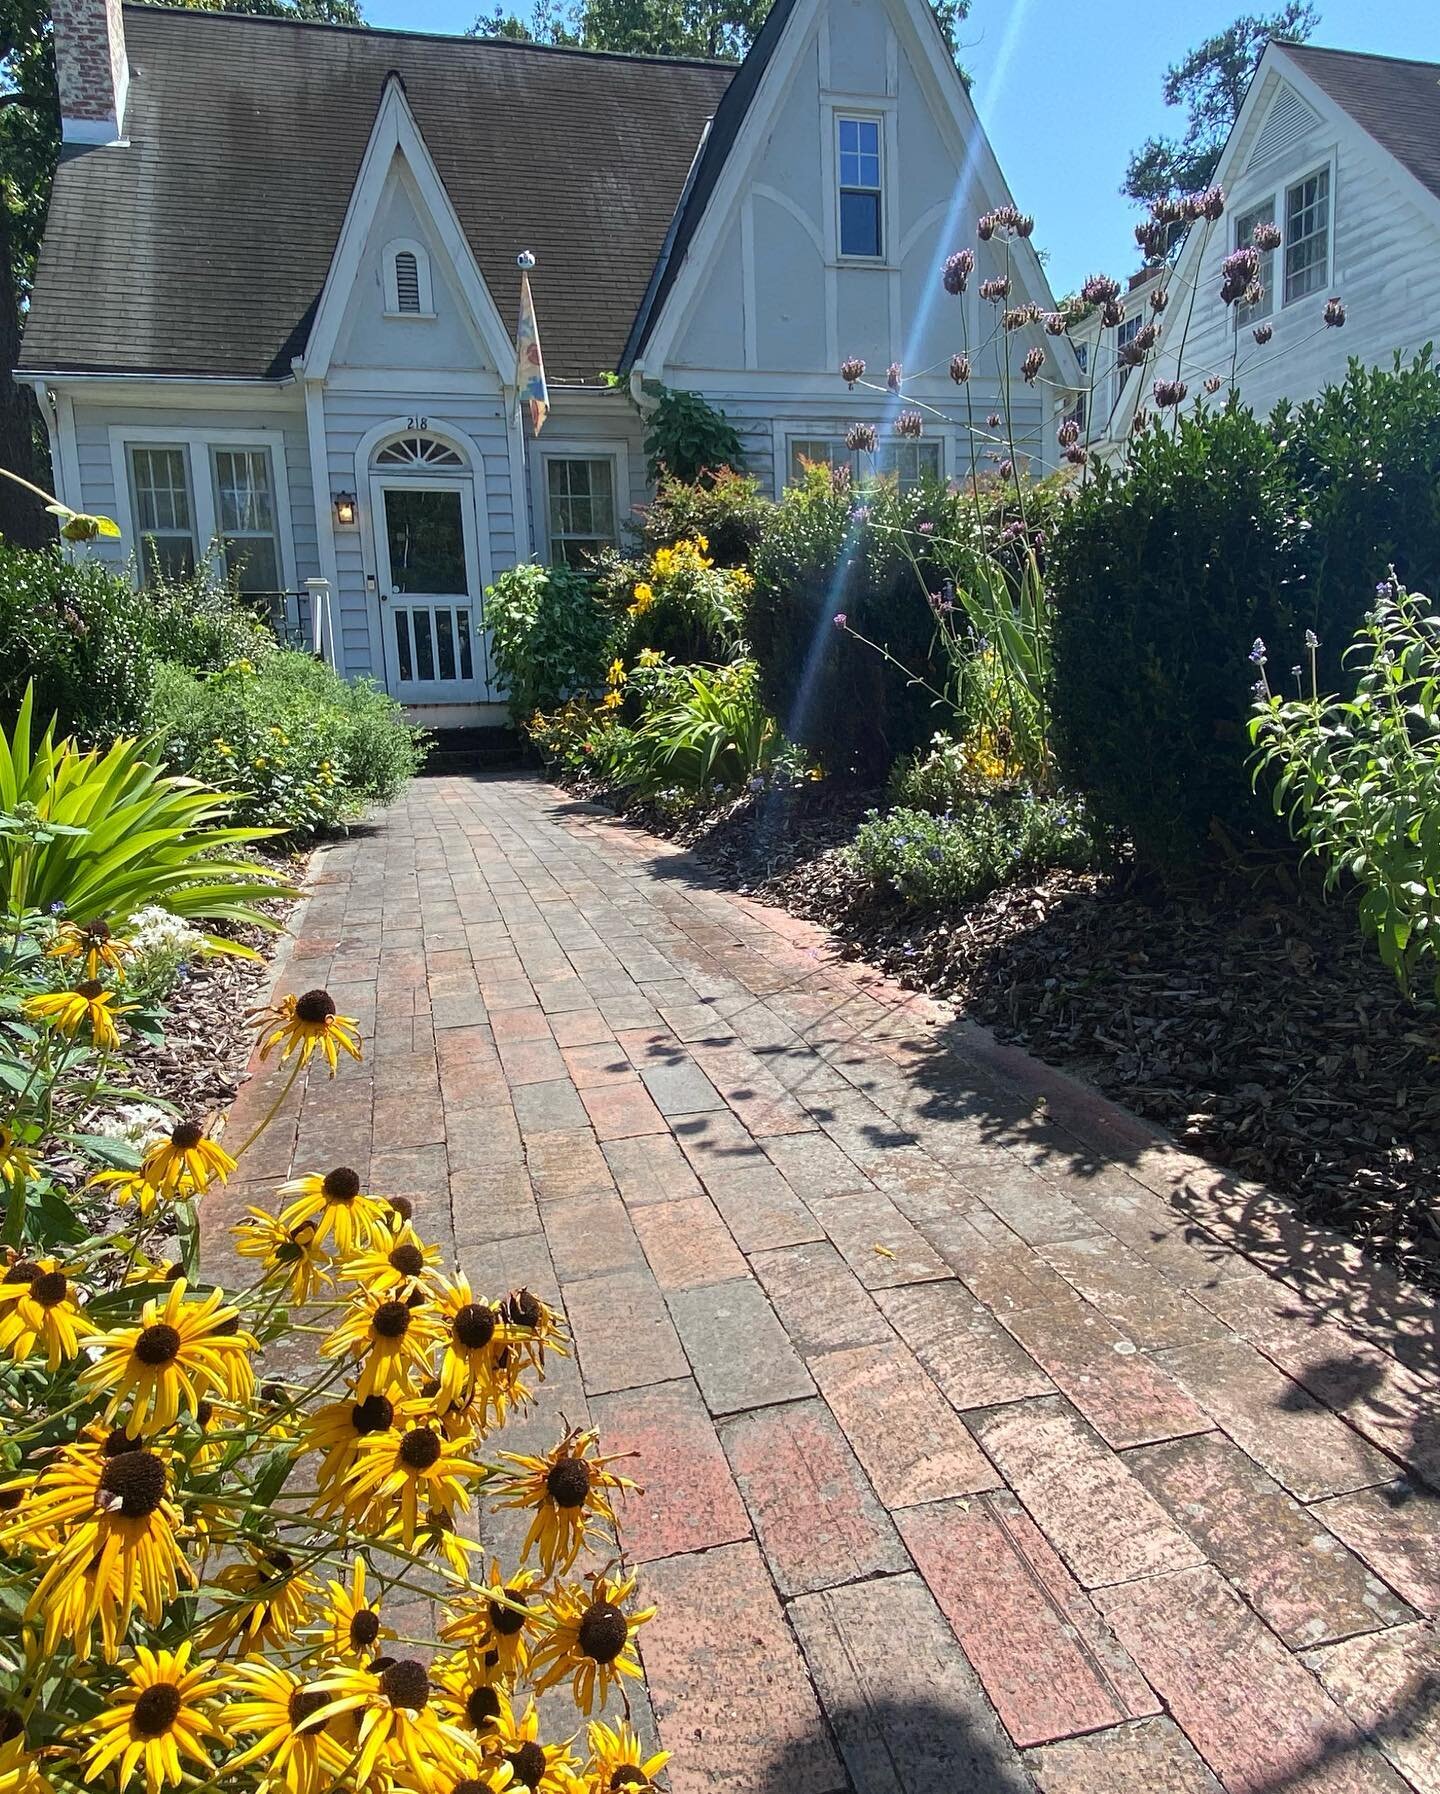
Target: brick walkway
[(988, 1441)]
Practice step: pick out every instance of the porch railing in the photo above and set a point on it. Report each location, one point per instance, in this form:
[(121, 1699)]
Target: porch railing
[(300, 619)]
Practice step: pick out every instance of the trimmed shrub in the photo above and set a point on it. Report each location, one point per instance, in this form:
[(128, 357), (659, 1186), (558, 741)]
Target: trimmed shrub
[(727, 509), (944, 862), (1162, 578), (551, 635)]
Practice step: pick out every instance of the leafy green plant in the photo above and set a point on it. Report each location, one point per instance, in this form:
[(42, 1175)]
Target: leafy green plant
[(295, 747), (104, 834), (688, 437), (949, 774), (725, 507), (712, 734), (943, 862), (678, 603), (551, 636), (1358, 779)]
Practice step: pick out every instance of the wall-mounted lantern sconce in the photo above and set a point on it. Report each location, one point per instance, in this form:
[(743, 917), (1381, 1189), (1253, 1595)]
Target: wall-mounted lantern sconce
[(344, 503)]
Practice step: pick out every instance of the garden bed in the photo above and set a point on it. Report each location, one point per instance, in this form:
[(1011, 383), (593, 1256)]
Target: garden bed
[(1258, 1027)]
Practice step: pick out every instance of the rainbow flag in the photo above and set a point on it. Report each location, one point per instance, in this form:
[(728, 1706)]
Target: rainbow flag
[(529, 363)]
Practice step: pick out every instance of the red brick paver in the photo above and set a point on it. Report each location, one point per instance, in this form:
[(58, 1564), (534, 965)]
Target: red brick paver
[(984, 1443)]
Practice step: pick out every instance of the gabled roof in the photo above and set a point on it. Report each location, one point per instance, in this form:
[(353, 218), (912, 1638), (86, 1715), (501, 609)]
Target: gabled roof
[(201, 247), (1396, 101)]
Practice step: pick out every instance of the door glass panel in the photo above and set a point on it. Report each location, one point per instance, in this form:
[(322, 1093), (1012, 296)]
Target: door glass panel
[(445, 642), (426, 539), (402, 644), (424, 646), (467, 665)]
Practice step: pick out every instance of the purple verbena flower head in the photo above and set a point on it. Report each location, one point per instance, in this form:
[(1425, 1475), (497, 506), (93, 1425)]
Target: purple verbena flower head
[(994, 420), (893, 376), (909, 423), (861, 439), (1100, 289), (1208, 204), (959, 369), (1153, 238), (1078, 453), (1069, 432), (1213, 383), (1032, 364), (958, 269), (1169, 392), (1140, 421), (1159, 299), (995, 289), (926, 529), (1254, 293), (1334, 313), (1006, 468), (1262, 333), (1112, 314), (1020, 317), (1265, 236), (840, 619), (1055, 323), (852, 369), (1237, 272), (985, 226)]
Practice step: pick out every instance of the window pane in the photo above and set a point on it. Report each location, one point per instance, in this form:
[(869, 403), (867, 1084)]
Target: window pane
[(467, 669), (426, 539), (162, 492), (424, 651), (580, 498), (445, 642), (825, 450), (252, 562), (402, 644), (1244, 238), (859, 223), (242, 483), (166, 557), (1307, 236)]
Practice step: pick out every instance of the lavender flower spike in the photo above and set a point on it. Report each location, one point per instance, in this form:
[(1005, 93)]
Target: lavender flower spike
[(1258, 656)]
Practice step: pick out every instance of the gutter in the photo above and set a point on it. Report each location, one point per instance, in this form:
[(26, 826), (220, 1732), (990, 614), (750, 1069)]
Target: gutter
[(262, 381)]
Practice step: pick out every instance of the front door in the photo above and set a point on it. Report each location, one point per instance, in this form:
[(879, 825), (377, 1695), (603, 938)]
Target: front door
[(429, 575)]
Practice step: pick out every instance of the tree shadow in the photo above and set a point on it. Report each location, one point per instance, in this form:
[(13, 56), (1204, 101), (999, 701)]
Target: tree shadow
[(1404, 1720), (898, 1747)]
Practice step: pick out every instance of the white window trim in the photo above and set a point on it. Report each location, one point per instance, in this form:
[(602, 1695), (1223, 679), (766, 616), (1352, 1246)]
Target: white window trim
[(398, 246), (197, 445), (576, 449), (884, 113), (1282, 212), (1275, 190)]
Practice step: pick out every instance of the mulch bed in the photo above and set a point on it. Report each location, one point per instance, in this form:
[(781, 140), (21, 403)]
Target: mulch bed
[(1251, 1021)]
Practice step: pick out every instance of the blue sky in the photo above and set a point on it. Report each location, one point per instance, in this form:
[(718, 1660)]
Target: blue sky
[(1067, 88)]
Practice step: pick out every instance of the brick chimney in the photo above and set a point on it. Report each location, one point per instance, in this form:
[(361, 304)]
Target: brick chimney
[(91, 69)]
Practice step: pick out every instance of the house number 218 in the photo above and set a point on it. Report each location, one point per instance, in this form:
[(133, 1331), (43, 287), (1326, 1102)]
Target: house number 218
[(417, 423)]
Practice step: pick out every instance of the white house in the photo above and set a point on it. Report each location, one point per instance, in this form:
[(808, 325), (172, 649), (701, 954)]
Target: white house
[(275, 310), (1339, 154)]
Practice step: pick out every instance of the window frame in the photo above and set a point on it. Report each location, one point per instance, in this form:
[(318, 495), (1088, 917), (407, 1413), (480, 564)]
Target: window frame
[(1125, 331), (197, 443), (789, 436), (226, 536), (1243, 315), (577, 449), (1325, 171), (408, 246), (863, 258), (132, 490)]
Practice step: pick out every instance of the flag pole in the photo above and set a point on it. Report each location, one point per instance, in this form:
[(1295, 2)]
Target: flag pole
[(531, 391)]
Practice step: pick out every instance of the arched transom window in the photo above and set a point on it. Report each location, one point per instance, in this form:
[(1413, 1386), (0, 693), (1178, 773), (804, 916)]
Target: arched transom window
[(418, 451)]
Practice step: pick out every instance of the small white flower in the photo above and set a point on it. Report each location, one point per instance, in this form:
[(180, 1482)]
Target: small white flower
[(137, 1126)]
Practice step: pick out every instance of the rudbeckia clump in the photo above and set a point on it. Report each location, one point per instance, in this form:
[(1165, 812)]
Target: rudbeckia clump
[(222, 1509)]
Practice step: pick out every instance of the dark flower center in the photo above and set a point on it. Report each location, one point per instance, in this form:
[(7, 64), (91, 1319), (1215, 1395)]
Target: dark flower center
[(11, 1725), (408, 1260), (273, 1395), (364, 1628), (97, 932), (524, 1309), (187, 1135), (628, 1776), (391, 1320), (473, 1326), (49, 1288), (568, 1482), (156, 1710), (281, 1562), (118, 1442), (603, 1631), (505, 1620), (10, 1499), (405, 1684), (158, 1345), (528, 1763), (469, 1785), (403, 1207), (341, 1185), (90, 989), (304, 1704), (372, 1415), (315, 1007), (420, 1448), (482, 1708), (204, 1413)]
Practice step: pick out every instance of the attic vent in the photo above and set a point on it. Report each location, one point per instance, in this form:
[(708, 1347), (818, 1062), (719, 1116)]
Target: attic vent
[(1288, 119), (418, 451), (407, 281)]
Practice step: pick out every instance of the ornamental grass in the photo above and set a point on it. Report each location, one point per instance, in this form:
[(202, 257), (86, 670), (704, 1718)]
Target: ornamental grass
[(221, 1511)]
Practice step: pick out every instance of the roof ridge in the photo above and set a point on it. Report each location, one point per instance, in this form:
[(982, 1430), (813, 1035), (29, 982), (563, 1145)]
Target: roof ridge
[(145, 9), (1413, 62)]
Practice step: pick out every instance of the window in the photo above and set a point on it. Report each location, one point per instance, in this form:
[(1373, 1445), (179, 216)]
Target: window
[(1245, 226), (1307, 236), (910, 460), (1125, 332), (164, 514), (418, 451), (407, 281), (860, 229), (580, 507), (828, 451), (245, 517)]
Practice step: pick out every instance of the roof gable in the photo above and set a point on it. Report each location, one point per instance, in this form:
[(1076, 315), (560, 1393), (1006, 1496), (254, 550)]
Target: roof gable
[(1397, 102)]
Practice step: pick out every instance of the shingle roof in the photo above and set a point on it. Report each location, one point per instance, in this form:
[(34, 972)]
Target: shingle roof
[(202, 247), (1396, 101)]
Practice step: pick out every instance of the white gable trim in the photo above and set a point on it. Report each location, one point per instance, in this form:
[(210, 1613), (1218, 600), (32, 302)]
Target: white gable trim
[(396, 131)]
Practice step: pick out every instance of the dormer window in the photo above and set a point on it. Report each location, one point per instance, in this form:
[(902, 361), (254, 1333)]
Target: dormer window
[(407, 281), (861, 224)]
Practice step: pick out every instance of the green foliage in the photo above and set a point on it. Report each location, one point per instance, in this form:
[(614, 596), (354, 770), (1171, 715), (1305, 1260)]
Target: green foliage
[(688, 437), (948, 775), (702, 730), (944, 862), (726, 508), (1210, 83), (1159, 577), (105, 834), (551, 636), (676, 604), (201, 623), (297, 748), (1358, 780)]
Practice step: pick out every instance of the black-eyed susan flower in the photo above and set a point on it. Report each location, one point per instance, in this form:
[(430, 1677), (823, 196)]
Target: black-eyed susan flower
[(397, 1263), (589, 1639), (20, 1770), (103, 1513), (569, 1490), (515, 1741), (308, 1024), (127, 1187), (164, 1712), (94, 944), (274, 1707), (392, 1340), (45, 1317), (618, 1760), (292, 1259), (533, 1327), (16, 1165), (262, 1601), (401, 1475), (337, 1429), (353, 1630), (475, 1335), (176, 1354), (495, 1626), (466, 1692), (397, 1725), (89, 1006), (186, 1161), (339, 1208)]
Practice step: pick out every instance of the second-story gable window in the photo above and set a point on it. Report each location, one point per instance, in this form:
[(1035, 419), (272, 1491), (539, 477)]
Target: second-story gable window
[(861, 205), (1307, 236)]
